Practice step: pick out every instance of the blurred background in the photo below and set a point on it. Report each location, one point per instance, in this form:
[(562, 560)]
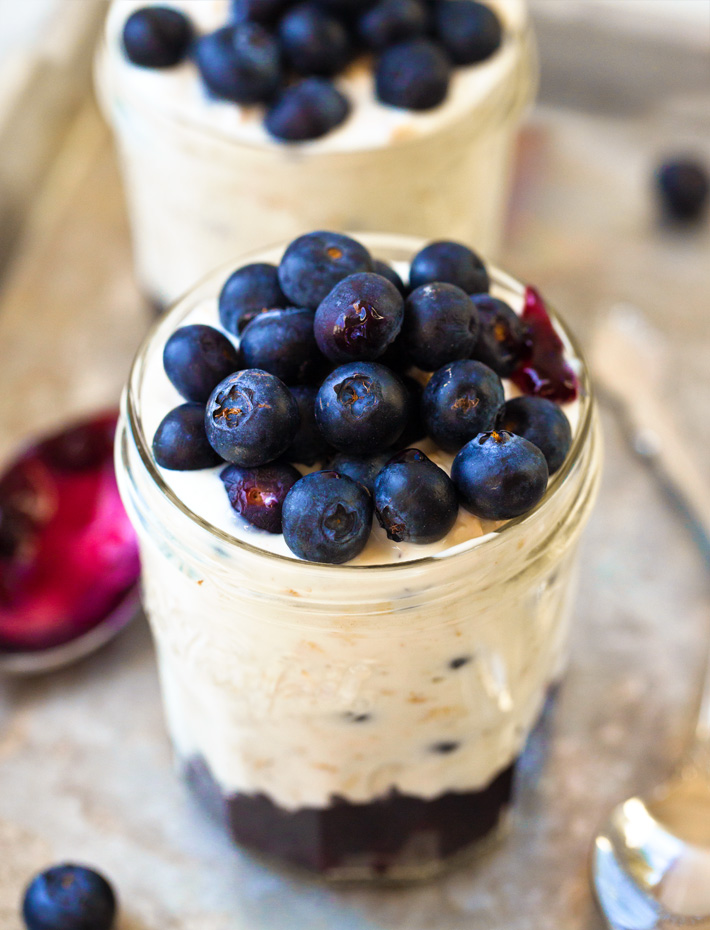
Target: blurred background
[(625, 84)]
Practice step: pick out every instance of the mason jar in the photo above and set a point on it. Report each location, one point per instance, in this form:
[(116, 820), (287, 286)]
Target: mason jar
[(358, 721), (201, 189)]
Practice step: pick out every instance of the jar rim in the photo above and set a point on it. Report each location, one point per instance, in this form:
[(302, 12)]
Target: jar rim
[(378, 242)]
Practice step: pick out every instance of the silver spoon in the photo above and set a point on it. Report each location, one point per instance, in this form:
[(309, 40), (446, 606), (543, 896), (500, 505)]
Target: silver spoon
[(651, 859)]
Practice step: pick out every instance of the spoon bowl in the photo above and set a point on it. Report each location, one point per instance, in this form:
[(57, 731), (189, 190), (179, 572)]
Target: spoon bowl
[(69, 561), (651, 860)]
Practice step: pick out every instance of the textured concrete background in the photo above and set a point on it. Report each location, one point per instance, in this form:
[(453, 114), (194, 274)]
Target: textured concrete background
[(85, 770)]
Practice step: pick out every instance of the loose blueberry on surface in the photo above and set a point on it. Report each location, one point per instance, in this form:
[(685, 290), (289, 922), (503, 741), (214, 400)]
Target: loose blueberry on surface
[(460, 401), (392, 21), (362, 408), (413, 75), (251, 418), (248, 292), (157, 37), (440, 325), (257, 11), (69, 897), (542, 423), (196, 358), (327, 517), (362, 468), (502, 338), (309, 445), (683, 185), (452, 263), (282, 342), (313, 41), (257, 494), (499, 475), (387, 271), (543, 371), (180, 442), (240, 63), (415, 500), (68, 552), (313, 264), (469, 31), (359, 318)]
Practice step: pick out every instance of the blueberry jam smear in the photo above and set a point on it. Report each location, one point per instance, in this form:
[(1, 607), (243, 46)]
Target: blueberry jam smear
[(544, 371), (68, 553)]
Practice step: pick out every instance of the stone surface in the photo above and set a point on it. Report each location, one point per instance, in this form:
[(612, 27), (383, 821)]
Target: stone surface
[(85, 767)]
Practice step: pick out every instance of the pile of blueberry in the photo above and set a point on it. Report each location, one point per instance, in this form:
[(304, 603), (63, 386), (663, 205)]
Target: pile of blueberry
[(69, 897), (283, 54), (331, 371)]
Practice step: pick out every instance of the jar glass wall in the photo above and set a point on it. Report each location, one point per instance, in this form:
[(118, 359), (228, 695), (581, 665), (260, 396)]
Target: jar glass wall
[(358, 721), (198, 194)]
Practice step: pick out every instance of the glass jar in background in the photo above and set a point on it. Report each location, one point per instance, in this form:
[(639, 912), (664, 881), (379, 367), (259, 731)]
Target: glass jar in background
[(198, 193), (362, 722)]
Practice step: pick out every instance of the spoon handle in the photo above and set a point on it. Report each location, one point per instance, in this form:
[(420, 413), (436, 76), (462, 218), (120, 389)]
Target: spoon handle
[(628, 361)]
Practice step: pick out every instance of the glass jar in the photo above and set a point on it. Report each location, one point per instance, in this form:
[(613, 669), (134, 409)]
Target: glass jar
[(198, 194), (358, 721)]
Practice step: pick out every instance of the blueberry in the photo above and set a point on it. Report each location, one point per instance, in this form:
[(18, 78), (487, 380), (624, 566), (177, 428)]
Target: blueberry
[(387, 271), (469, 31), (452, 263), (413, 75), (196, 358), (392, 21), (362, 408), (309, 445), (282, 342), (307, 110), (502, 337), (415, 430), (313, 264), (69, 897), (257, 494), (460, 401), (440, 325), (251, 418), (362, 468), (180, 442), (257, 11), (157, 37), (683, 185), (248, 292), (327, 517), (499, 475), (542, 423), (359, 318), (313, 42), (240, 63), (415, 500)]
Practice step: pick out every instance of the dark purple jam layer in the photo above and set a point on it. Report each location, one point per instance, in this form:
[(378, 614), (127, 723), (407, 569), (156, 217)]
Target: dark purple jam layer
[(390, 835)]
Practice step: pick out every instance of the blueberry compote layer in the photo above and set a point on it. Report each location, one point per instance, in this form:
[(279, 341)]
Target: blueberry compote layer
[(392, 833), (68, 553)]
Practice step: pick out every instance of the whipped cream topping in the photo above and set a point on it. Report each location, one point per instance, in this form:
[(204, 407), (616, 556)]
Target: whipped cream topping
[(179, 93)]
